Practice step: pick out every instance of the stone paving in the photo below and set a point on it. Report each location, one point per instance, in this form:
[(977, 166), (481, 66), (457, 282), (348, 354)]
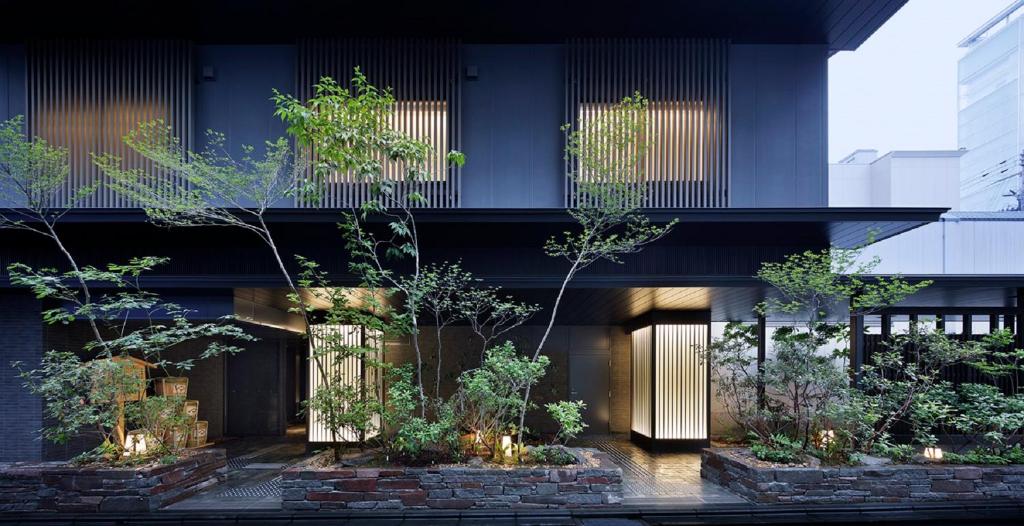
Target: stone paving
[(254, 475), (660, 478), (649, 479)]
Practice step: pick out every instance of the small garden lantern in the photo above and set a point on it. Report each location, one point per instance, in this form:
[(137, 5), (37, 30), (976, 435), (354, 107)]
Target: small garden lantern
[(933, 453)]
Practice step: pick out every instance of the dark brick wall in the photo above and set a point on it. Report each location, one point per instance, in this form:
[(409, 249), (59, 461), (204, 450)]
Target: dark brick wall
[(21, 338)]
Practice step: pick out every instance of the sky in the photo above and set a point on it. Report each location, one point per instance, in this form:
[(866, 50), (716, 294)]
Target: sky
[(897, 91)]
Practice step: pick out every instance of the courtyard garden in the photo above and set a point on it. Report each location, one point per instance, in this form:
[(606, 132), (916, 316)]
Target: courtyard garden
[(390, 426), (811, 427)]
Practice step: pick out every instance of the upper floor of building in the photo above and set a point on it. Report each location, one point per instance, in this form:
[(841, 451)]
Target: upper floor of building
[(738, 89)]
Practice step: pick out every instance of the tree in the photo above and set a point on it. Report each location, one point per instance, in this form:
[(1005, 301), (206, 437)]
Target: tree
[(82, 395), (33, 186), (812, 287), (491, 315), (350, 131), (608, 152), (210, 187)]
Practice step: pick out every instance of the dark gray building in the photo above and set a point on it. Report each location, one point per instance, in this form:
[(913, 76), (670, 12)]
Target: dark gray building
[(738, 94)]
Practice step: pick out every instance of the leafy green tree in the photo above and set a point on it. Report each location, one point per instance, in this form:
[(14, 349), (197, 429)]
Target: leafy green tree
[(815, 288), (490, 397), (345, 405), (492, 315), (608, 152), (33, 185), (134, 322), (903, 375), (211, 187), (349, 130)]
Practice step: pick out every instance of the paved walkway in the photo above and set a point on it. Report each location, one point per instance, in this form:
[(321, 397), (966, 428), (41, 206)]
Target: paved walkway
[(660, 478), (649, 479), (254, 475)]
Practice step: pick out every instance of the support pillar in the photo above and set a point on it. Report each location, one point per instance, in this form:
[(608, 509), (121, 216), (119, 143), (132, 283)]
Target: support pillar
[(857, 345), (762, 355)]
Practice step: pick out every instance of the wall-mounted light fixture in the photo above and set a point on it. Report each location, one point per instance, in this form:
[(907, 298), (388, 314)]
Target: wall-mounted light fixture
[(671, 382), (329, 364)]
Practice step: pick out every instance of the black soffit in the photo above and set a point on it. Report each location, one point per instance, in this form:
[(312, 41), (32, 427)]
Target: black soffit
[(842, 227), (841, 24)]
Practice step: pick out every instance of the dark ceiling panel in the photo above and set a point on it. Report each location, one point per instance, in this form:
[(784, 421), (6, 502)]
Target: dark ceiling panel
[(842, 24)]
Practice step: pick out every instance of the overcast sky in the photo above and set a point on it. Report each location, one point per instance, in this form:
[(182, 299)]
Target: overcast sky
[(898, 90)]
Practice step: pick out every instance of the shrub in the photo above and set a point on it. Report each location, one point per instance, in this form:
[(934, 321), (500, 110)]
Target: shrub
[(490, 398), (569, 418), (778, 448), (898, 453), (553, 455)]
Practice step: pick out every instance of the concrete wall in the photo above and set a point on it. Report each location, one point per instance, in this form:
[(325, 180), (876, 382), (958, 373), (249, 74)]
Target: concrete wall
[(510, 128), (21, 334), (897, 179), (959, 244)]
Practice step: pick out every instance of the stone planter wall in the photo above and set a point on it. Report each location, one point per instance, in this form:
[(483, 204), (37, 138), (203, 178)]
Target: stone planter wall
[(595, 484), (55, 487), (909, 483)]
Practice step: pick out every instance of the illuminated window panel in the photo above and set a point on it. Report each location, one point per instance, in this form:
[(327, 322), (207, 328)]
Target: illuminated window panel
[(670, 393), (676, 142), (348, 370)]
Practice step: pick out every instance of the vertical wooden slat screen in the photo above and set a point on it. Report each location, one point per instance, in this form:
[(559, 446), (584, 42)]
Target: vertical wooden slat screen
[(424, 77), (686, 80), (642, 376), (86, 95), (681, 379), (349, 370)]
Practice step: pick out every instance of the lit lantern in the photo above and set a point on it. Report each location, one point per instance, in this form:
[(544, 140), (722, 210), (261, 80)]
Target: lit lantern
[(933, 453), (671, 382), (825, 437), (135, 443), (506, 446)]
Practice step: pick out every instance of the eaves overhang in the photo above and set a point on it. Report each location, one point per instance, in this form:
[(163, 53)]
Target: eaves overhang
[(842, 227), (838, 24)]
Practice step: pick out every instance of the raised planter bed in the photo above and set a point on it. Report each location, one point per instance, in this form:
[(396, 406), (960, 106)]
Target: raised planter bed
[(63, 488), (735, 469), (596, 482)]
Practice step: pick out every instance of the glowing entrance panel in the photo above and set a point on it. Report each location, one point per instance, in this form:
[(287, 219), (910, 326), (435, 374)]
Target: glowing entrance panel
[(326, 368), (670, 380)]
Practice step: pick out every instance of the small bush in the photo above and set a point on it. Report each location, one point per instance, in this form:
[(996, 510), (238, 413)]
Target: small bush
[(553, 455), (898, 453), (778, 448)]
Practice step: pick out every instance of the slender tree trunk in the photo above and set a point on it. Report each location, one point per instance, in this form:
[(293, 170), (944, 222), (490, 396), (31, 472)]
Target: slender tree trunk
[(86, 294), (437, 381), (325, 380), (540, 346)]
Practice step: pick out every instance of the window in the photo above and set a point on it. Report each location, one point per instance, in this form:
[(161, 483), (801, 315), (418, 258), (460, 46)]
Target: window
[(85, 96)]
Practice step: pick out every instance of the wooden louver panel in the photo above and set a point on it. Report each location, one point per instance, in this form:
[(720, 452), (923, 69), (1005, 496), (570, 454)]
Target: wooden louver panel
[(328, 368), (424, 78), (686, 164), (86, 95), (642, 371)]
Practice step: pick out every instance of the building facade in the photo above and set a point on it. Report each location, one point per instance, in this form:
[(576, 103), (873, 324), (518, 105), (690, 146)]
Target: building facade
[(989, 114), (738, 108)]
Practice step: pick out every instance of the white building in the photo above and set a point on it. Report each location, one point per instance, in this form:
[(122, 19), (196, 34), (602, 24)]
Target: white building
[(990, 94), (962, 243)]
